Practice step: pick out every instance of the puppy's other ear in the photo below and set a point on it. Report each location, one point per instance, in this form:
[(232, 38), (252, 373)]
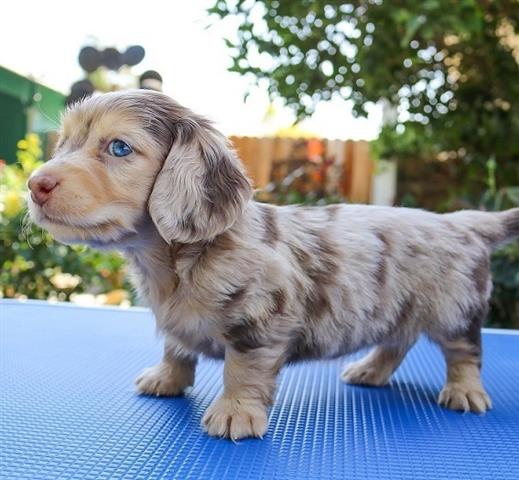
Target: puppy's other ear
[(202, 188)]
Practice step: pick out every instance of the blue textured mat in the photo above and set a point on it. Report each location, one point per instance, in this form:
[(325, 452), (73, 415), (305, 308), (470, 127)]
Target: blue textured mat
[(68, 410)]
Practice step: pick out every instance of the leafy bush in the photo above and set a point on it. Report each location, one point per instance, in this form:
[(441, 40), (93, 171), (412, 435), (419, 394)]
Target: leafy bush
[(303, 178), (33, 264), (445, 71), (504, 305)]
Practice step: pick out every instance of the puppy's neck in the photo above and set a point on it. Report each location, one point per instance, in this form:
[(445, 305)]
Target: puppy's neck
[(152, 261), (163, 265), (146, 243)]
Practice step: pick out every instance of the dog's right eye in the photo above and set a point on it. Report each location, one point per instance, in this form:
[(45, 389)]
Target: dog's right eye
[(118, 148)]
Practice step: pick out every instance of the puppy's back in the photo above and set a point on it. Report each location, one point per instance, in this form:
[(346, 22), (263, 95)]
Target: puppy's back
[(381, 267)]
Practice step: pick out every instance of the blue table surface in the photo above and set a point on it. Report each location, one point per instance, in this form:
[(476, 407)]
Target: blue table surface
[(69, 410)]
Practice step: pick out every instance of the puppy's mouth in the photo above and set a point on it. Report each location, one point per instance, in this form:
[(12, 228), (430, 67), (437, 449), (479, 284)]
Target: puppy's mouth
[(40, 216), (76, 228)]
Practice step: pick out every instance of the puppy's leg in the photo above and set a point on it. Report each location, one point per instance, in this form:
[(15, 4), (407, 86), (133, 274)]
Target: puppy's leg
[(464, 390), (249, 386), (171, 376), (376, 368)]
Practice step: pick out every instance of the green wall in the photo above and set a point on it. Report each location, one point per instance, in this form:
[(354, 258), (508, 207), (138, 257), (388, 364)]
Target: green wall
[(25, 106)]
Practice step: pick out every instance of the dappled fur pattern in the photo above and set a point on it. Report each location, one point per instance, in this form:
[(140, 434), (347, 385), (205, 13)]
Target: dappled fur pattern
[(260, 285)]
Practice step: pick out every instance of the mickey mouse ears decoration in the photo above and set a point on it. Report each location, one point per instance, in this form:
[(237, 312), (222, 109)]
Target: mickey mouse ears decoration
[(133, 55), (91, 59)]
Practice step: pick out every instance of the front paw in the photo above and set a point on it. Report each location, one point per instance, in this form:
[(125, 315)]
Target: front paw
[(164, 380), (458, 396), (362, 373), (235, 418)]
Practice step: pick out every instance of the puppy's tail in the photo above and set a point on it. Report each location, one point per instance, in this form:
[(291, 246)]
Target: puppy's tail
[(495, 228), (510, 222)]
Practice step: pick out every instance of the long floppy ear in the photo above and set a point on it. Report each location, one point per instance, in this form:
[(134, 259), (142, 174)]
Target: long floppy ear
[(202, 188)]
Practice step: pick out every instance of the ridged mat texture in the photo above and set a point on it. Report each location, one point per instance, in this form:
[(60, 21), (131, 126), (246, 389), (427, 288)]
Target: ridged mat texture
[(69, 411)]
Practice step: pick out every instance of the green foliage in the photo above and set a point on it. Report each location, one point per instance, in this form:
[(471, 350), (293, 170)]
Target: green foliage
[(448, 68), (504, 305), (504, 311), (32, 263)]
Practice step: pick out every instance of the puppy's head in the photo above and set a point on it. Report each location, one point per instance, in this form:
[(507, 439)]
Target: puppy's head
[(125, 158)]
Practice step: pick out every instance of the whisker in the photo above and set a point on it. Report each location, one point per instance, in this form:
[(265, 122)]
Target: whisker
[(26, 228)]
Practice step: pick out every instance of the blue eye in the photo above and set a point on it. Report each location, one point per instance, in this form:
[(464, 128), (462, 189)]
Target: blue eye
[(118, 148)]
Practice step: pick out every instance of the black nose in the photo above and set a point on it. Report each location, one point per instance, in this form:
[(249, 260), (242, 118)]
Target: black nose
[(41, 187)]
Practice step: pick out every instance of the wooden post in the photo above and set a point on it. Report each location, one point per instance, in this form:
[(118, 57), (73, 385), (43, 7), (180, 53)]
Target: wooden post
[(347, 169), (362, 171), (264, 159), (282, 148), (240, 144)]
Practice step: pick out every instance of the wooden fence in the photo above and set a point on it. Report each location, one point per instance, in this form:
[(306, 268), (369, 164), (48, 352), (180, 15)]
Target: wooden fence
[(260, 155)]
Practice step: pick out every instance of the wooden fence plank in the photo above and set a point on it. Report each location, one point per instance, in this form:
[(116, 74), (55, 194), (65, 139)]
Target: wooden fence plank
[(259, 155), (264, 159), (361, 173)]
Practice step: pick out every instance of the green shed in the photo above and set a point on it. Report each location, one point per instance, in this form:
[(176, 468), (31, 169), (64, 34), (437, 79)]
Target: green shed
[(26, 106)]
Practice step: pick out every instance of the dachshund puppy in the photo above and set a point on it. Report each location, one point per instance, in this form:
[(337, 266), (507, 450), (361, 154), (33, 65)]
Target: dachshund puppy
[(256, 284)]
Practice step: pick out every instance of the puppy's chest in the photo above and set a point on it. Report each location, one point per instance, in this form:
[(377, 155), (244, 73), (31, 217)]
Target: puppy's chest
[(177, 307), (191, 324)]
